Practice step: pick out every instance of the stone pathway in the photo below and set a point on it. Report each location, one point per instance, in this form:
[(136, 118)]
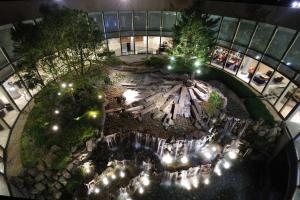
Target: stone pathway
[(14, 163)]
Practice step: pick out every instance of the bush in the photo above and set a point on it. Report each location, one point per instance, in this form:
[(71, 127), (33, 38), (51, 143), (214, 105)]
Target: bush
[(156, 61), (215, 102)]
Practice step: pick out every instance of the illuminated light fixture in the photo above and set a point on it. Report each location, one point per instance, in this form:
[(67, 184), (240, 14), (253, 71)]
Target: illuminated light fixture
[(122, 174), (226, 164), (167, 158), (87, 170), (232, 154), (58, 93), (99, 96), (145, 181), (97, 190), (288, 63), (198, 71), (105, 181), (217, 170), (184, 160), (257, 57), (172, 58), (113, 176), (63, 85), (169, 67), (295, 4), (93, 114), (55, 127), (141, 190), (197, 63), (70, 84), (206, 181), (56, 112)]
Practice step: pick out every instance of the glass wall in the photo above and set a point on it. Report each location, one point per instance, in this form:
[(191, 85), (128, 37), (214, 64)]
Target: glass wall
[(140, 44), (219, 56), (153, 44), (127, 45), (247, 68), (244, 34), (227, 30), (261, 77), (114, 46), (154, 22), (233, 61)]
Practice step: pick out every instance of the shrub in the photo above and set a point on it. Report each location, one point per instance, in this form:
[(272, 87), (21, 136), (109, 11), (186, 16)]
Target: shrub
[(215, 102), (156, 61)]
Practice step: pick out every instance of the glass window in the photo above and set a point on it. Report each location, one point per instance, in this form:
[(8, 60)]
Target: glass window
[(17, 91), (275, 87), (227, 29), (140, 22), (216, 28), (8, 110), (291, 103), (111, 21), (6, 42), (127, 45), (98, 19), (254, 54), (238, 48), (140, 44), (114, 46), (280, 42), (219, 56), (286, 95), (244, 32), (293, 56), (4, 134), (247, 68), (262, 36), (224, 43), (293, 123), (32, 81), (154, 22), (125, 18), (261, 77), (6, 72), (233, 61), (153, 44), (270, 61), (166, 43), (169, 19), (287, 71)]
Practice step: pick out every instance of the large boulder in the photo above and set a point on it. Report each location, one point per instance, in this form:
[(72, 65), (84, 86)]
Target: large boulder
[(40, 187)]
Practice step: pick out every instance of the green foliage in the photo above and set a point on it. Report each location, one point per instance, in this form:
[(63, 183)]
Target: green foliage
[(193, 35), (155, 61), (215, 102), (74, 182), (64, 41), (76, 127)]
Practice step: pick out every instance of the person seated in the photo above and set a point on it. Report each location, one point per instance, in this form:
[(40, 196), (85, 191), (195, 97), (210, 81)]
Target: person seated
[(259, 80)]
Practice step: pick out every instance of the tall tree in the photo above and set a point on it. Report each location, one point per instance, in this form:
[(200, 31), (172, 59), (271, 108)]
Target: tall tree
[(65, 42), (193, 36)]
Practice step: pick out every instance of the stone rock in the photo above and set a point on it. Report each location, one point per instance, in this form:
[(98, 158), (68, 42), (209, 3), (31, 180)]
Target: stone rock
[(57, 195), (48, 174), (74, 149), (54, 148), (39, 177), (41, 166), (40, 197), (55, 177), (18, 182), (189, 83), (49, 159), (90, 145), (57, 185), (70, 167), (32, 172), (62, 180), (29, 180), (34, 191), (40, 187), (75, 162), (66, 174)]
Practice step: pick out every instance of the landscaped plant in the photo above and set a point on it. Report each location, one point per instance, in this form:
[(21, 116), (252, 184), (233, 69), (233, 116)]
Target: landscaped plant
[(215, 102)]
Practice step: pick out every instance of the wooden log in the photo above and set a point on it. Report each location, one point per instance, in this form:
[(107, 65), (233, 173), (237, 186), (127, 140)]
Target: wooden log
[(176, 111), (192, 94), (173, 90), (160, 101), (167, 103), (198, 108), (148, 109), (113, 110), (202, 88), (128, 84), (200, 95), (134, 108), (195, 113), (183, 94), (152, 98)]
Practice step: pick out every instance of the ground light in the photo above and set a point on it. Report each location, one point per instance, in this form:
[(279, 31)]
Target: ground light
[(232, 154), (172, 58), (169, 67), (184, 160), (198, 71), (122, 174), (141, 190), (206, 181), (97, 190), (167, 158), (197, 63), (145, 181), (56, 112), (55, 127), (105, 181)]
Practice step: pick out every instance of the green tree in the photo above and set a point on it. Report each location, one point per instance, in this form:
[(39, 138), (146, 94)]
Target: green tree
[(65, 42)]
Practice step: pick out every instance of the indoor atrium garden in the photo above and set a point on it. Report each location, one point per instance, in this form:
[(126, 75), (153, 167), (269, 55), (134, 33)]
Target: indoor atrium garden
[(161, 127)]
